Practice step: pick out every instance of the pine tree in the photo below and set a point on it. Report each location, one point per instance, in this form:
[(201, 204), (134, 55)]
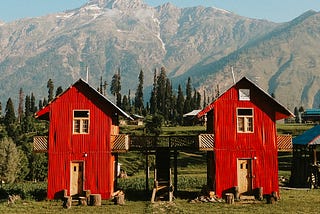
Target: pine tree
[(9, 117), (138, 100), (168, 105), (44, 102), (50, 87), (180, 103), (115, 87), (33, 107), (125, 103), (59, 90), (27, 106), (161, 91), (40, 105), (20, 106), (188, 100), (153, 97), (204, 99)]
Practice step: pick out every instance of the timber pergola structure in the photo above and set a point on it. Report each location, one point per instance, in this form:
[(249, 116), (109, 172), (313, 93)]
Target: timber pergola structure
[(164, 147)]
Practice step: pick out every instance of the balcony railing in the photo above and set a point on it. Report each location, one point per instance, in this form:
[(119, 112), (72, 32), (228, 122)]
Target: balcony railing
[(206, 142), (120, 143), (40, 144)]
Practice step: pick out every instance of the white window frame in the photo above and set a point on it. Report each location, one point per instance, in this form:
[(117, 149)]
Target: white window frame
[(245, 122), (83, 123)]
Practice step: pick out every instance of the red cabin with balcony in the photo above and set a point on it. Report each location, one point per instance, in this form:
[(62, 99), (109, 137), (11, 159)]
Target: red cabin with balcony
[(82, 127), (244, 156)]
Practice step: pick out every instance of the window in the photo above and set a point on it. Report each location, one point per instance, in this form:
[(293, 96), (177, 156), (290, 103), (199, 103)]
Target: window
[(244, 94), (80, 121), (245, 120)]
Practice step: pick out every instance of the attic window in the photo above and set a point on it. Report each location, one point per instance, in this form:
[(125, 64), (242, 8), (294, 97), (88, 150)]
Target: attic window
[(80, 122), (244, 94), (245, 120)]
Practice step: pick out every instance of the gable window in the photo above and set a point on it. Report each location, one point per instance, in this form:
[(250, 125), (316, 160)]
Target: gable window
[(81, 122), (245, 120), (244, 94)]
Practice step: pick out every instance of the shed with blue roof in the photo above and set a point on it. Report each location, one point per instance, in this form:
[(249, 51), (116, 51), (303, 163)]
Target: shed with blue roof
[(306, 159)]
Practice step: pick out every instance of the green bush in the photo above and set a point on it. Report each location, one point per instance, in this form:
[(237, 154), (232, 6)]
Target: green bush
[(26, 190)]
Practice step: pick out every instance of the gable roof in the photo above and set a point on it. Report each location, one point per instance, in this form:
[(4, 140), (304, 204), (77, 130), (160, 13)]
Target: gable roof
[(192, 113), (309, 137), (44, 112), (281, 111)]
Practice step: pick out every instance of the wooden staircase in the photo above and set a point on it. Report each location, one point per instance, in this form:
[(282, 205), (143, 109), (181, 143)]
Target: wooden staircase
[(163, 187)]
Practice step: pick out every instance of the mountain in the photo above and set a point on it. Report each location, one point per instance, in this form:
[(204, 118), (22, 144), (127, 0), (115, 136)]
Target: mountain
[(285, 62), (203, 43)]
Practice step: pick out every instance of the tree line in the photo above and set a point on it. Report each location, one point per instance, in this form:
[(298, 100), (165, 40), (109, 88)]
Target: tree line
[(164, 101)]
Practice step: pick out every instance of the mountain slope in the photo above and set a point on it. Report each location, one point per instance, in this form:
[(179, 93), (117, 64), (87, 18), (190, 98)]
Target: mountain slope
[(200, 42), (284, 62)]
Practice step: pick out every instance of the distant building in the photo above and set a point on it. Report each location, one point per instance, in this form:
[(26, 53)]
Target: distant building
[(245, 154), (306, 159), (311, 115), (191, 118)]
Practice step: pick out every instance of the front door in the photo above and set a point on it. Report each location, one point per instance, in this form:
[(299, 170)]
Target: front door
[(76, 185), (244, 176)]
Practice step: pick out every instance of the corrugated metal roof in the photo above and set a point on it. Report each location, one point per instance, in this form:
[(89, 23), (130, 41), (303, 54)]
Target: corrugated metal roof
[(312, 111), (45, 110), (192, 113), (309, 137), (284, 143)]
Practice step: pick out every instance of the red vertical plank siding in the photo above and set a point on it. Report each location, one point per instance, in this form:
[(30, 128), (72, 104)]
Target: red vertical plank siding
[(260, 146), (92, 149)]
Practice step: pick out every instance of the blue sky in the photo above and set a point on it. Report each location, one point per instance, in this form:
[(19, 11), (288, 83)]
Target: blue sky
[(272, 10)]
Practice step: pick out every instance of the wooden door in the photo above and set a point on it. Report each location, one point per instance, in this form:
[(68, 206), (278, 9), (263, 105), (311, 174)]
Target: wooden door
[(244, 176), (76, 185)]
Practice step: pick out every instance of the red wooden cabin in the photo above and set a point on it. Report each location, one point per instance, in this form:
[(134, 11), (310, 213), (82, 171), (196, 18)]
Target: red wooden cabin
[(243, 121), (82, 123)]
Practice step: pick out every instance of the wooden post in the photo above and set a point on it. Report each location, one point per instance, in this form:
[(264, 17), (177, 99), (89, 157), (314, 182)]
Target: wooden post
[(95, 199), (260, 193), (115, 185), (86, 193), (67, 202), (82, 201), (147, 174), (236, 193), (229, 198), (175, 163)]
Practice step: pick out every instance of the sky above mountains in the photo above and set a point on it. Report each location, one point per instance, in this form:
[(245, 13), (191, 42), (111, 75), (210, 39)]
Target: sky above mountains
[(272, 10)]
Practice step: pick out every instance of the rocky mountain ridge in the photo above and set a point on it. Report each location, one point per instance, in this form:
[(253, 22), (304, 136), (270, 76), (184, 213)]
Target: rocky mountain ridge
[(203, 43)]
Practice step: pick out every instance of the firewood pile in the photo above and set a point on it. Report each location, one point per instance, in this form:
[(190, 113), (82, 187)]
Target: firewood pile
[(13, 198), (206, 199)]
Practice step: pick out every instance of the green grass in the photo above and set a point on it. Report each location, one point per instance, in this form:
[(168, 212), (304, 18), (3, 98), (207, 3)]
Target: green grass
[(292, 201), (293, 129)]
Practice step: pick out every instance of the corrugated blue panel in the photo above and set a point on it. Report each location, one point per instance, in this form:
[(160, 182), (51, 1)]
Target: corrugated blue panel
[(312, 112), (309, 137)]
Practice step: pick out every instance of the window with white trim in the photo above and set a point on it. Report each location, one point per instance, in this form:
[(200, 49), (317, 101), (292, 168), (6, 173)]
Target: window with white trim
[(245, 120), (81, 121)]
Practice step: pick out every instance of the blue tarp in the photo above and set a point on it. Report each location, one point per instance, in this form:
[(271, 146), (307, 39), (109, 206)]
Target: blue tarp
[(309, 137)]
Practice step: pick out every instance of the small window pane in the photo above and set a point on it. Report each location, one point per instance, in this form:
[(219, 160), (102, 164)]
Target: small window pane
[(85, 126), (76, 126), (241, 124), (84, 114), (244, 111)]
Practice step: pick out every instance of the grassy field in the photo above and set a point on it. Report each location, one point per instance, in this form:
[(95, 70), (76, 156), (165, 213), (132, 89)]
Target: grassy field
[(292, 201), (191, 179)]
